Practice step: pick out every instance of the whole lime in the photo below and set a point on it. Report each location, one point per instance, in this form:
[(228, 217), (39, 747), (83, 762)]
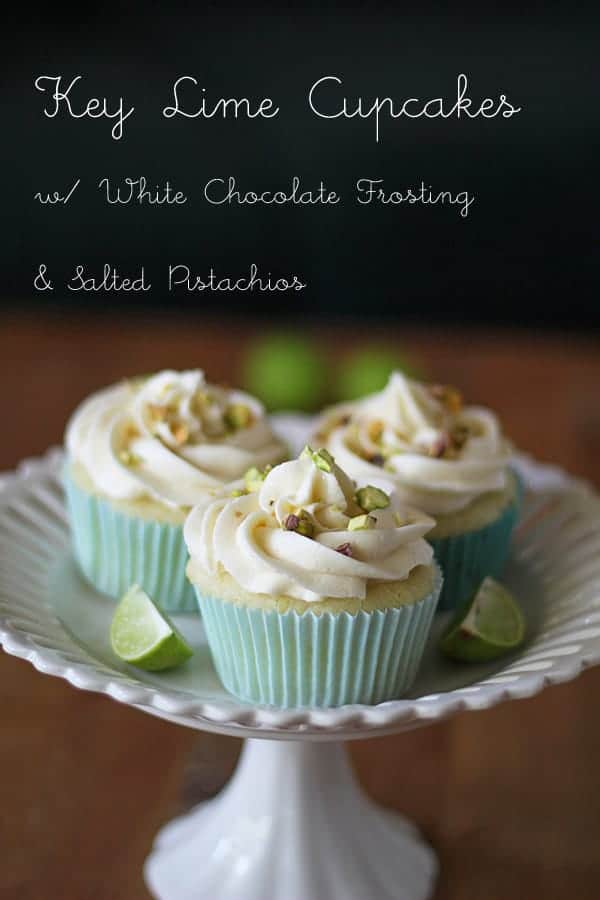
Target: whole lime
[(286, 372), (368, 370)]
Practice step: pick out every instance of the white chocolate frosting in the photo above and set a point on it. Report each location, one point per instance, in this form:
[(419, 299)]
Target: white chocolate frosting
[(252, 538), (436, 453), (171, 438)]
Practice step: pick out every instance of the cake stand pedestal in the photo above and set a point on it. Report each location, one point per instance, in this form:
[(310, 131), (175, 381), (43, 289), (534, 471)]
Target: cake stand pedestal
[(292, 824)]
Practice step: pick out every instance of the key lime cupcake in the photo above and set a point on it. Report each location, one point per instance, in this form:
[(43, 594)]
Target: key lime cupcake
[(448, 459), (140, 454), (313, 592)]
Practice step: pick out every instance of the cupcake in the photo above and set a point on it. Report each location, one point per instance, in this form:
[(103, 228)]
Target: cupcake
[(140, 454), (448, 459), (312, 592)]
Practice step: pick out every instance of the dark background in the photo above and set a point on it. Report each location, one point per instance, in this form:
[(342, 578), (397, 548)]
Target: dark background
[(526, 255)]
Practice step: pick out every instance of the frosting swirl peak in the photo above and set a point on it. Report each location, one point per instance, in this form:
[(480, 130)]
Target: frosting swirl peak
[(303, 534), (438, 454), (171, 437)]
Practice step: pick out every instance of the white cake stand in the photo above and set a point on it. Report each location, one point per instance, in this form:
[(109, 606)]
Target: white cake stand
[(292, 824)]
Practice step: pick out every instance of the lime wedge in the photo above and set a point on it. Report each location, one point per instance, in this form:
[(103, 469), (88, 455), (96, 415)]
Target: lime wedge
[(490, 625), (143, 636)]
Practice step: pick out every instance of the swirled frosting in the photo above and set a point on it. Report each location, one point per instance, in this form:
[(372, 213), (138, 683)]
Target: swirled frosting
[(302, 534), (438, 454), (171, 438)]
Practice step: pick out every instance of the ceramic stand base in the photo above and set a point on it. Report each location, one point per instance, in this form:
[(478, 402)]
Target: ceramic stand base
[(292, 824)]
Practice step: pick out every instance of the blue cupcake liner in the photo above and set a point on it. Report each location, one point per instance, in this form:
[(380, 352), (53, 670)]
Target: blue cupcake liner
[(115, 550), (467, 558), (292, 660)]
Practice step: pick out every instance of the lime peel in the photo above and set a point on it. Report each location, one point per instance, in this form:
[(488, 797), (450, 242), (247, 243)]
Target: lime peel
[(143, 636), (490, 625)]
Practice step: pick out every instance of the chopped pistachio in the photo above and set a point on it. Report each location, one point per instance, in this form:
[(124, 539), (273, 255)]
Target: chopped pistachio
[(254, 477), (345, 549), (399, 520), (200, 401), (300, 523), (180, 432), (306, 528), (449, 396), (128, 458), (362, 523), (237, 415), (322, 458), (459, 436), (375, 430), (158, 412), (439, 446), (238, 492), (291, 522), (370, 498)]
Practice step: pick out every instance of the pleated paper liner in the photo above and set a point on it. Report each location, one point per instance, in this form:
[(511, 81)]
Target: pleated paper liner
[(467, 558), (115, 550), (303, 659)]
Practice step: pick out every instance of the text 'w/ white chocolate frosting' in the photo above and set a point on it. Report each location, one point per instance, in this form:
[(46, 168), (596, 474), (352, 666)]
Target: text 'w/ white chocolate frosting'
[(171, 437), (438, 454), (302, 533)]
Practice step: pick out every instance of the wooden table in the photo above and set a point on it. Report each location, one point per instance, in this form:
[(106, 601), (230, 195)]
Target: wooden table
[(509, 797)]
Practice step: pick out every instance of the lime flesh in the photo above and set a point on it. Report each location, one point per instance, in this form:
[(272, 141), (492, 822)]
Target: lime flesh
[(143, 636), (491, 625)]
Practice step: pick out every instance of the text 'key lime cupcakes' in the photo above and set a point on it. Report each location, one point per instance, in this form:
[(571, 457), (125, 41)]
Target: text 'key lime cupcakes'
[(313, 593), (140, 454), (448, 459)]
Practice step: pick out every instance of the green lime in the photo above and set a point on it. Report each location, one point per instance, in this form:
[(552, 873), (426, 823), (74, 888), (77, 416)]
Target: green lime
[(143, 636), (286, 371), (368, 370), (490, 625)]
